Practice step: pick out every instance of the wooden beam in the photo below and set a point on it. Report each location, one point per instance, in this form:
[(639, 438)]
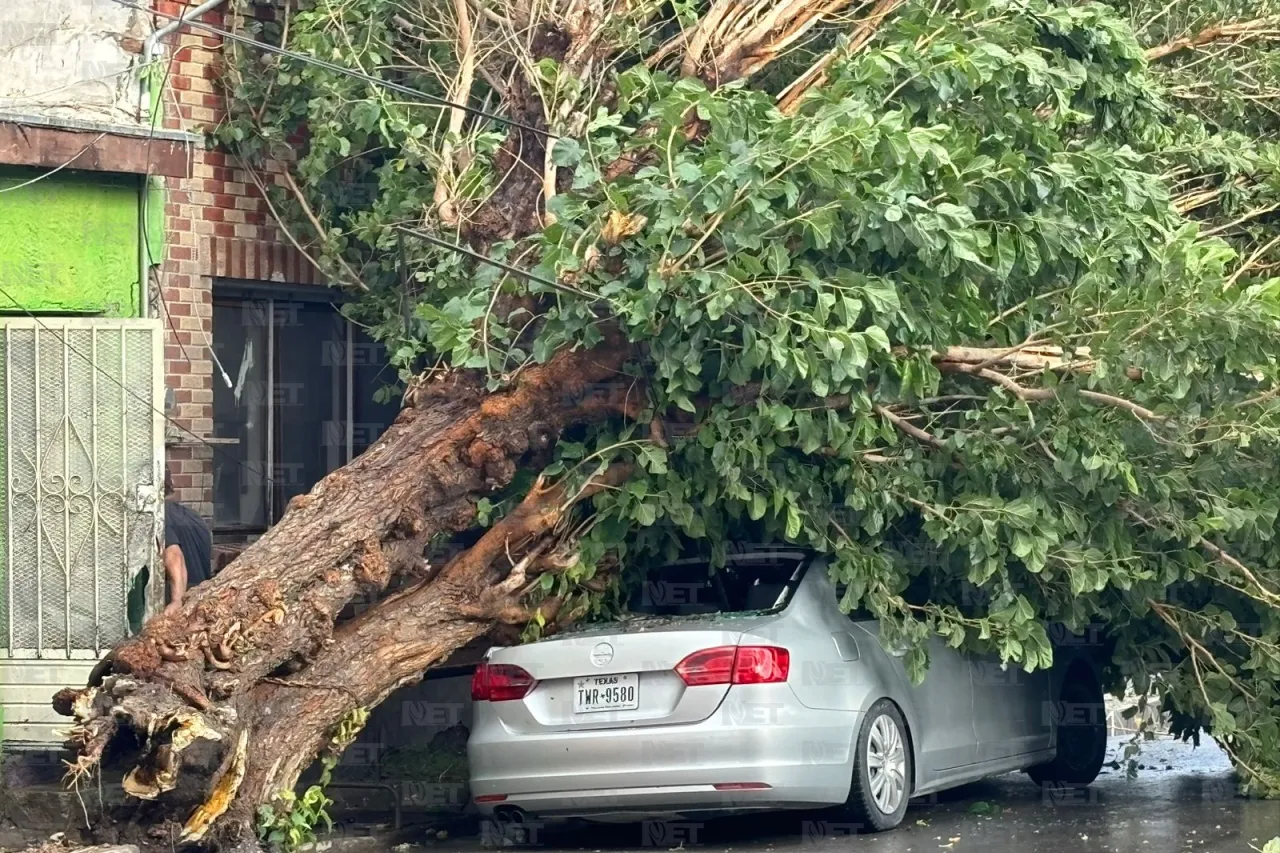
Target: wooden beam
[(95, 151)]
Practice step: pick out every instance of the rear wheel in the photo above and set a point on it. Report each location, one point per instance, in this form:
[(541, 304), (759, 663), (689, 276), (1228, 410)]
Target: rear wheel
[(1082, 735), (881, 769)]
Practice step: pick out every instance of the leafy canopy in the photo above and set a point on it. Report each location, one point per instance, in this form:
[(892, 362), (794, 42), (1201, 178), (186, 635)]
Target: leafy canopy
[(987, 318)]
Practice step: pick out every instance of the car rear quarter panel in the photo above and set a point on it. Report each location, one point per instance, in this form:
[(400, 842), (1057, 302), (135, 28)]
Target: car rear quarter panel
[(833, 683)]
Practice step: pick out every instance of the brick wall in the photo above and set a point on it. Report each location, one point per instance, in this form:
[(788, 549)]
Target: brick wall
[(216, 226)]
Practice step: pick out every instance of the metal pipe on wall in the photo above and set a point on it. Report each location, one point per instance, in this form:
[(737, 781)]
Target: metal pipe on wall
[(151, 45)]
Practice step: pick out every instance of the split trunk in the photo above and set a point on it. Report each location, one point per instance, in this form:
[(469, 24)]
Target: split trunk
[(264, 661)]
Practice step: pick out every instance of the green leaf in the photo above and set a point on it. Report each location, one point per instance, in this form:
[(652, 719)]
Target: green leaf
[(646, 514), (567, 152), (1006, 253), (794, 522), (877, 338), (365, 115), (654, 458)]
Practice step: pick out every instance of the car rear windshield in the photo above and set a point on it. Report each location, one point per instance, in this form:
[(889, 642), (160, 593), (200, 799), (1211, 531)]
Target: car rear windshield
[(693, 589)]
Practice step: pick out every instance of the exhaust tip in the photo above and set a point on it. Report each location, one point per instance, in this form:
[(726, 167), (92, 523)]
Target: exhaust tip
[(509, 814)]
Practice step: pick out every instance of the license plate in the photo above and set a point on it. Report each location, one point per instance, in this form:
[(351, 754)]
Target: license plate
[(606, 693)]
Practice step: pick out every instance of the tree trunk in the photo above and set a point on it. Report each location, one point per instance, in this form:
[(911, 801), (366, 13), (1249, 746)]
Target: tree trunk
[(255, 656), (257, 662)]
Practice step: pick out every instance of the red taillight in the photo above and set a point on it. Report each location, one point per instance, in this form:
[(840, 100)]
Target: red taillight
[(735, 665), (500, 682), (761, 665), (491, 798), (709, 666)]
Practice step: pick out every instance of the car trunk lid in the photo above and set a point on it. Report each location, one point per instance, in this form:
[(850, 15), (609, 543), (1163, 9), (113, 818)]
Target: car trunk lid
[(634, 676), (623, 673)]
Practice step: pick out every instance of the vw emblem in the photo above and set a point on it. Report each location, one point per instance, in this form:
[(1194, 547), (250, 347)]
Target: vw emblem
[(602, 654)]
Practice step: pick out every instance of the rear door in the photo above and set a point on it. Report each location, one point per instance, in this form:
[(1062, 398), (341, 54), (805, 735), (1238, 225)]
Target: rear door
[(623, 674), (943, 703), (1012, 708)]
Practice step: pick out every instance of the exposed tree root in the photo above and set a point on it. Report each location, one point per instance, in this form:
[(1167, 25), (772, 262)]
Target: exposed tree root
[(206, 677), (225, 787)]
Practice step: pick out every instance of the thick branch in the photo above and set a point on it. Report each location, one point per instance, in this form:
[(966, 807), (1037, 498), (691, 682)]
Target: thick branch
[(394, 642), (1268, 27), (1024, 356), (1037, 394), (459, 93), (370, 521), (789, 99)]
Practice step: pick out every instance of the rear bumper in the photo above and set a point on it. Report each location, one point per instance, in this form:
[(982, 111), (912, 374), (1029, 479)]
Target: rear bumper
[(759, 734)]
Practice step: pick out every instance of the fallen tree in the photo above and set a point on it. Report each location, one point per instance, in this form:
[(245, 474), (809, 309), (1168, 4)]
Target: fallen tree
[(877, 279)]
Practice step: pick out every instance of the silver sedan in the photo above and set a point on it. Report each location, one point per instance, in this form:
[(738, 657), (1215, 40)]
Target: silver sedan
[(750, 689)]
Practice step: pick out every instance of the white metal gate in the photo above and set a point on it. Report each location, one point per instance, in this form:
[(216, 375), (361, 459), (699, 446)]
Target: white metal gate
[(83, 473), (82, 467)]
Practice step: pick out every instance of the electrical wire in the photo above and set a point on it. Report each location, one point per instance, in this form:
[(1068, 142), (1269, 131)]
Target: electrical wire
[(268, 478), (494, 262), (58, 169), (435, 100), (156, 116)]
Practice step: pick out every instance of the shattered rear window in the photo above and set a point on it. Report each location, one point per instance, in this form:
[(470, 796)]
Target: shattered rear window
[(692, 589)]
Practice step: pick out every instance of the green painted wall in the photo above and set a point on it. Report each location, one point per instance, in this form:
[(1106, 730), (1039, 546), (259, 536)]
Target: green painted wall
[(69, 242)]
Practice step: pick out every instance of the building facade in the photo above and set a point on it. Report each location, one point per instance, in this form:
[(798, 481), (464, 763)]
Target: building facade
[(152, 315), (81, 435), (272, 388)]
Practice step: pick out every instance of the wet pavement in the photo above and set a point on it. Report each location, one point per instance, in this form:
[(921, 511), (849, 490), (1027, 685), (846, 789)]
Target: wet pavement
[(1182, 799)]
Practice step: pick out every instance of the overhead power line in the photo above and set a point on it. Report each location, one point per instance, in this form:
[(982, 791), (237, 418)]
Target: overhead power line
[(56, 170), (485, 259), (435, 100), (267, 476)]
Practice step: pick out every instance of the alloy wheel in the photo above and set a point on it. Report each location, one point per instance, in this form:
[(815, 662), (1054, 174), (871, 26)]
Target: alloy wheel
[(886, 764)]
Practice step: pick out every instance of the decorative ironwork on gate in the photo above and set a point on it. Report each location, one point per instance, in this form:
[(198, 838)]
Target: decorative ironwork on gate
[(83, 471)]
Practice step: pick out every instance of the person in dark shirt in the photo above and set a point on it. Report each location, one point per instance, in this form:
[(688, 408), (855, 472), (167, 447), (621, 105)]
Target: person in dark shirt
[(188, 548)]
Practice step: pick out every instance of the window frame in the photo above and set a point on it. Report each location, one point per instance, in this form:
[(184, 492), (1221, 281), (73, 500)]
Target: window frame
[(229, 292)]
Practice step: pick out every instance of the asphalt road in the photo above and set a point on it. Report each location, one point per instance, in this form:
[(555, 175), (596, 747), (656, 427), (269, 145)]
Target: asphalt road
[(1182, 799)]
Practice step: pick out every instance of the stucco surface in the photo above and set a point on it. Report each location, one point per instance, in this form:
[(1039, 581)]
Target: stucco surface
[(69, 58)]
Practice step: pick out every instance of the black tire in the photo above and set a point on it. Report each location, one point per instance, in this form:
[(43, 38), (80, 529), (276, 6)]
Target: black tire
[(1081, 720), (861, 806)]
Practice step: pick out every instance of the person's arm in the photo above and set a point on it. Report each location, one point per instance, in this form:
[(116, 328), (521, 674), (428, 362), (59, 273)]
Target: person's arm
[(175, 570)]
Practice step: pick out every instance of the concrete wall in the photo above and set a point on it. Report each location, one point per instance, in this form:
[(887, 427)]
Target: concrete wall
[(70, 59), (69, 242)]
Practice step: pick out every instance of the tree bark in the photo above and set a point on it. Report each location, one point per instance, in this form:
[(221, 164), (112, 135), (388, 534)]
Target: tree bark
[(392, 644), (257, 655)]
